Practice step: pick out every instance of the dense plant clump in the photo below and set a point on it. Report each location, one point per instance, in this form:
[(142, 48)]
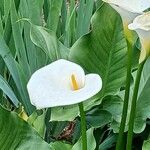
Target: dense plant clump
[(74, 75)]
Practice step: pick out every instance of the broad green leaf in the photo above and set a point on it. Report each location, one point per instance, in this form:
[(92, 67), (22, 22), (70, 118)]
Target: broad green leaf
[(61, 146), (4, 86), (113, 105), (143, 102), (98, 118), (38, 122), (91, 144), (17, 134), (103, 50), (146, 145), (48, 42), (70, 112)]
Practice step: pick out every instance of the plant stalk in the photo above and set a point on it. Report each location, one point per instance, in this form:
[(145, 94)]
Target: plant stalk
[(126, 98), (133, 106), (83, 126)]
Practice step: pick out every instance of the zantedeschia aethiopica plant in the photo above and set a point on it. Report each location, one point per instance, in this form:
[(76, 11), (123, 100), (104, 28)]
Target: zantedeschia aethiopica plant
[(63, 83)]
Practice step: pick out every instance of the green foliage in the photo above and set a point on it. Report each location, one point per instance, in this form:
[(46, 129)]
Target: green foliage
[(143, 103), (90, 140), (17, 134), (60, 146), (146, 145), (35, 33), (48, 42), (8, 91), (105, 46)]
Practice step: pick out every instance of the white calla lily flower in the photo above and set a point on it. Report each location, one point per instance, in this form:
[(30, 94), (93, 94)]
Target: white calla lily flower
[(62, 83), (129, 9), (141, 25)]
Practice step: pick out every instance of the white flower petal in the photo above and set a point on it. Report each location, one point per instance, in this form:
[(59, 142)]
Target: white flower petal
[(135, 6), (141, 22), (129, 9), (51, 85), (127, 16), (141, 25)]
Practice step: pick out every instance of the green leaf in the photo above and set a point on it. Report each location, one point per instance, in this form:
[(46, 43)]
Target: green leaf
[(54, 14), (35, 11), (61, 146), (70, 112), (7, 5), (18, 40), (8, 91), (47, 41), (98, 118), (108, 142), (17, 134), (69, 36), (113, 105), (91, 144), (146, 145), (16, 74), (84, 14), (103, 50), (32, 51), (2, 6), (38, 122), (1, 25), (143, 102)]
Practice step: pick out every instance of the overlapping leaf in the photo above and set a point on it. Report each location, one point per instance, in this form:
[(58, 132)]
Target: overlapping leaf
[(103, 50), (143, 102), (17, 134), (4, 86)]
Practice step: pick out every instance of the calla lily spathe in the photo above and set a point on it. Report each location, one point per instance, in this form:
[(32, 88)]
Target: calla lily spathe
[(52, 86), (141, 25), (129, 9)]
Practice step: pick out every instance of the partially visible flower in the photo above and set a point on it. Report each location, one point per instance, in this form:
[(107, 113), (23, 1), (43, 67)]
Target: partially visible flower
[(62, 83), (128, 10), (141, 25)]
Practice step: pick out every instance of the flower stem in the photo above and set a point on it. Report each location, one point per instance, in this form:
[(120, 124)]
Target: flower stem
[(133, 106), (126, 98), (83, 126)]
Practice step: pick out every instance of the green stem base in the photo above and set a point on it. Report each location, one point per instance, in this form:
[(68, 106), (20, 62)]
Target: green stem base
[(83, 126), (133, 106), (126, 98)]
